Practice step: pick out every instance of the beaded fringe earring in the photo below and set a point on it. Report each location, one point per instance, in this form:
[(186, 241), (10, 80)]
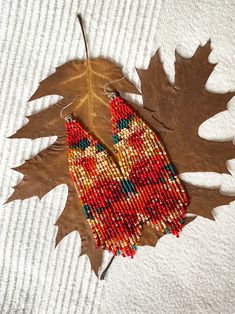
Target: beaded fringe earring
[(153, 185), (103, 192)]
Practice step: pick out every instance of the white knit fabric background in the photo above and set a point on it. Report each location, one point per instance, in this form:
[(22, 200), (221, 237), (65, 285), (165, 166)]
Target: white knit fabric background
[(192, 274)]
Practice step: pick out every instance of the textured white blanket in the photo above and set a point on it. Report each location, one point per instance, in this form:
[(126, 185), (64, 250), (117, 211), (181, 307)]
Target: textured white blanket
[(192, 274)]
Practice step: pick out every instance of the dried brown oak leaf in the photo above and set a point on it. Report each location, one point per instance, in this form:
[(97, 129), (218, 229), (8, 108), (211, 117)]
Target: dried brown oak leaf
[(82, 84), (181, 107)]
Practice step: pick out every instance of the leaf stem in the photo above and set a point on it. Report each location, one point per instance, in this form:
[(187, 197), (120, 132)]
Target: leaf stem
[(106, 269), (84, 36)]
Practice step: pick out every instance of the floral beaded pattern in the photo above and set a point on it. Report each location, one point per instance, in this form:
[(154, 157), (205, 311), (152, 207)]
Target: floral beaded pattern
[(161, 200), (118, 201)]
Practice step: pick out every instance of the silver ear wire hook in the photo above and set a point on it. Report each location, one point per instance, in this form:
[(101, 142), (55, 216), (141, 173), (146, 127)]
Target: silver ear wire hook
[(112, 94), (69, 117)]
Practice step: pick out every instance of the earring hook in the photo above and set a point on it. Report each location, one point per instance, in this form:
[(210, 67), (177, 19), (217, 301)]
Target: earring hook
[(69, 116), (112, 94)]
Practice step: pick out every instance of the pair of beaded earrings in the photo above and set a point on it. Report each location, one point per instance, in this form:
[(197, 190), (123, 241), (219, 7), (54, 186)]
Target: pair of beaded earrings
[(118, 199)]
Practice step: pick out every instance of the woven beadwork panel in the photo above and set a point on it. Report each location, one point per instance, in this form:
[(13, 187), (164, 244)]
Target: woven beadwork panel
[(160, 196), (101, 189)]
